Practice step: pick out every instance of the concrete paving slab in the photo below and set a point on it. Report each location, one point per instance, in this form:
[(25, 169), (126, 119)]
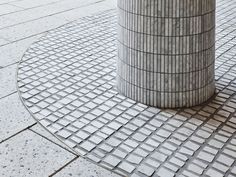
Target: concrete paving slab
[(30, 155), (4, 21), (7, 1), (43, 11), (31, 28), (7, 8), (8, 80), (13, 52), (13, 117), (83, 168), (3, 41), (88, 10), (30, 4), (41, 131)]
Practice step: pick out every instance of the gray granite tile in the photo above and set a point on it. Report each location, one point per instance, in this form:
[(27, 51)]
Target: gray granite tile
[(28, 154), (13, 116), (3, 41), (43, 132), (8, 80), (92, 9), (213, 173), (7, 8), (127, 167), (12, 53), (146, 170), (83, 168), (31, 28), (42, 11)]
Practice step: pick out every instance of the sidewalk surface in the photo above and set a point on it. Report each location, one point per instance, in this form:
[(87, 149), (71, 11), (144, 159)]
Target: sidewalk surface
[(26, 149)]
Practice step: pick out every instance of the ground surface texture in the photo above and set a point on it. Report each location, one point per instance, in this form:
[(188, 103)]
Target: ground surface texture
[(67, 81), (26, 149)]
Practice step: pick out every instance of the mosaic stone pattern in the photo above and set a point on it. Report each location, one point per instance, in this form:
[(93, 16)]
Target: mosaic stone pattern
[(66, 80), (166, 51)]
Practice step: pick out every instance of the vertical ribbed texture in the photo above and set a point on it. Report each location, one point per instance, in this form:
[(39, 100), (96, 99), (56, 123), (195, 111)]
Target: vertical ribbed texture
[(166, 51)]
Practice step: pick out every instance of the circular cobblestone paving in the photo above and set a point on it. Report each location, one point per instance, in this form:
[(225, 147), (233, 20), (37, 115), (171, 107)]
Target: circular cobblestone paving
[(66, 80)]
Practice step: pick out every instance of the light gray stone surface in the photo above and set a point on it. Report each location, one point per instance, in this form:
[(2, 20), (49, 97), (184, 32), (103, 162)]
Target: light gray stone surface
[(4, 21), (225, 74), (67, 81), (31, 4), (13, 52), (51, 9), (8, 80), (29, 29), (31, 21), (34, 17), (13, 116), (94, 8), (7, 8), (166, 51), (28, 154), (3, 41), (6, 1), (44, 133), (83, 168)]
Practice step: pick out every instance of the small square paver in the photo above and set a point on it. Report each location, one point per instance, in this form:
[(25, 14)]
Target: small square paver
[(205, 156), (134, 159), (225, 160), (131, 143), (64, 133), (163, 172), (127, 167), (139, 137), (212, 172), (82, 134), (159, 156), (195, 169), (111, 160), (148, 171), (88, 146), (120, 153)]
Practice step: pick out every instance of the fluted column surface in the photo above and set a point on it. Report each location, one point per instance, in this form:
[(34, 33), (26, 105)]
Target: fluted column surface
[(166, 51)]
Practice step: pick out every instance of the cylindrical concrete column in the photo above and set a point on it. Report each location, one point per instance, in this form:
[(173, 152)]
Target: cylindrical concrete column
[(166, 51)]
